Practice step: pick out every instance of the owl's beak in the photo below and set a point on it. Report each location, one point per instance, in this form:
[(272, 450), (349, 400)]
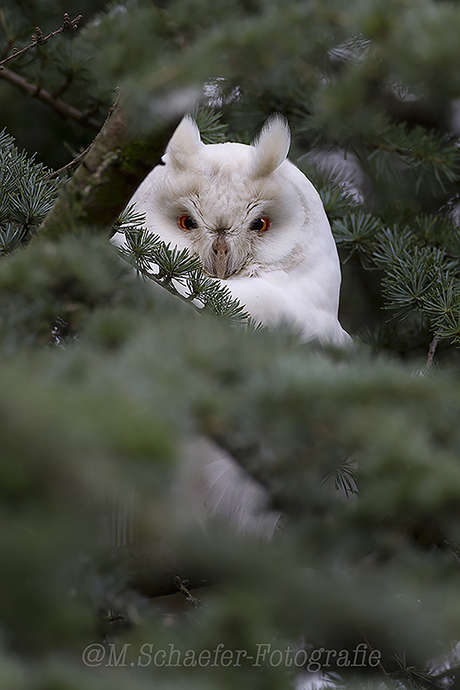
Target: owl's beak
[(220, 254)]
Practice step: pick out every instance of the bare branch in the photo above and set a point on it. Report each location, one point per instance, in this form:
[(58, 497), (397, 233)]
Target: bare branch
[(59, 106), (431, 351), (39, 40), (67, 168)]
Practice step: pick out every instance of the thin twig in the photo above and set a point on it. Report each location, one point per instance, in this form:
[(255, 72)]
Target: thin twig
[(386, 676), (60, 106), (182, 586), (70, 166), (39, 40), (431, 351)]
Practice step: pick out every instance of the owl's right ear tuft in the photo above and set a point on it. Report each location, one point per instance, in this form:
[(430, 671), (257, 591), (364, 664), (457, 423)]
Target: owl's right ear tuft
[(272, 146), (184, 145)]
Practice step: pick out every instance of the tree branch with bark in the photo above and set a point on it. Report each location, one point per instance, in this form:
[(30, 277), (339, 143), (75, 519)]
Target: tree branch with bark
[(60, 106), (57, 104), (108, 173)]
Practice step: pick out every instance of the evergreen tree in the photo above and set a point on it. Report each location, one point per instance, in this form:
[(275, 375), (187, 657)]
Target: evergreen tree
[(102, 375)]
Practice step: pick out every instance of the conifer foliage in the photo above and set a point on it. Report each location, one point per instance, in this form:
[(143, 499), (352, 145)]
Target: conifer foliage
[(25, 197), (106, 370)]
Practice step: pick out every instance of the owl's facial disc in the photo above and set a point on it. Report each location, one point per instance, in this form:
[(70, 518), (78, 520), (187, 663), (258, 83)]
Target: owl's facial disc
[(229, 252)]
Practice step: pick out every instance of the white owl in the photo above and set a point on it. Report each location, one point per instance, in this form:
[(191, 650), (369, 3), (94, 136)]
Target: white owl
[(255, 221), (259, 226)]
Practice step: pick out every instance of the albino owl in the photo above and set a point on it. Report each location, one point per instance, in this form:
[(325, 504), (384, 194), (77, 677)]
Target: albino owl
[(259, 226), (255, 221)]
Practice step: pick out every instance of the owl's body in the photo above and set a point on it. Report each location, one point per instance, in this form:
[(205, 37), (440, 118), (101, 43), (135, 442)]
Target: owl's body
[(259, 226), (256, 222)]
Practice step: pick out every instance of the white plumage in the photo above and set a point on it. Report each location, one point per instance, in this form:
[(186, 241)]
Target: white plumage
[(259, 226), (256, 222)]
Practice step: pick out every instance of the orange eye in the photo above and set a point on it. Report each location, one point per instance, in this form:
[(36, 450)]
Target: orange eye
[(260, 224), (186, 222)]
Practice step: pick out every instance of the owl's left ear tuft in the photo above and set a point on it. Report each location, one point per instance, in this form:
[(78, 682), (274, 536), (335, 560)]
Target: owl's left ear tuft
[(271, 147), (184, 145)]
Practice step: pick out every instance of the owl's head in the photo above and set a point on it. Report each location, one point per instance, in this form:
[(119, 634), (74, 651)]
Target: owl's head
[(240, 208)]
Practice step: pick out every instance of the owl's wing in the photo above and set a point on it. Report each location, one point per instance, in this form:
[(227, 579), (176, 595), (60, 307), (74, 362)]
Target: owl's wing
[(274, 299)]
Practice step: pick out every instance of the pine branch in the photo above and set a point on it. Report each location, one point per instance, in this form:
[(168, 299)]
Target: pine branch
[(212, 130), (59, 106), (39, 40), (429, 153), (25, 195), (356, 232), (177, 271)]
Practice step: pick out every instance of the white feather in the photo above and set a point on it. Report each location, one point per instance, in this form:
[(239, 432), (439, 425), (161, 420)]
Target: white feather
[(211, 485), (271, 148), (184, 145)]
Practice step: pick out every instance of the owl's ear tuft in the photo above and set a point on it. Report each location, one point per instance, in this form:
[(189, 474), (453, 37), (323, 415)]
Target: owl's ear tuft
[(184, 145), (271, 147)]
